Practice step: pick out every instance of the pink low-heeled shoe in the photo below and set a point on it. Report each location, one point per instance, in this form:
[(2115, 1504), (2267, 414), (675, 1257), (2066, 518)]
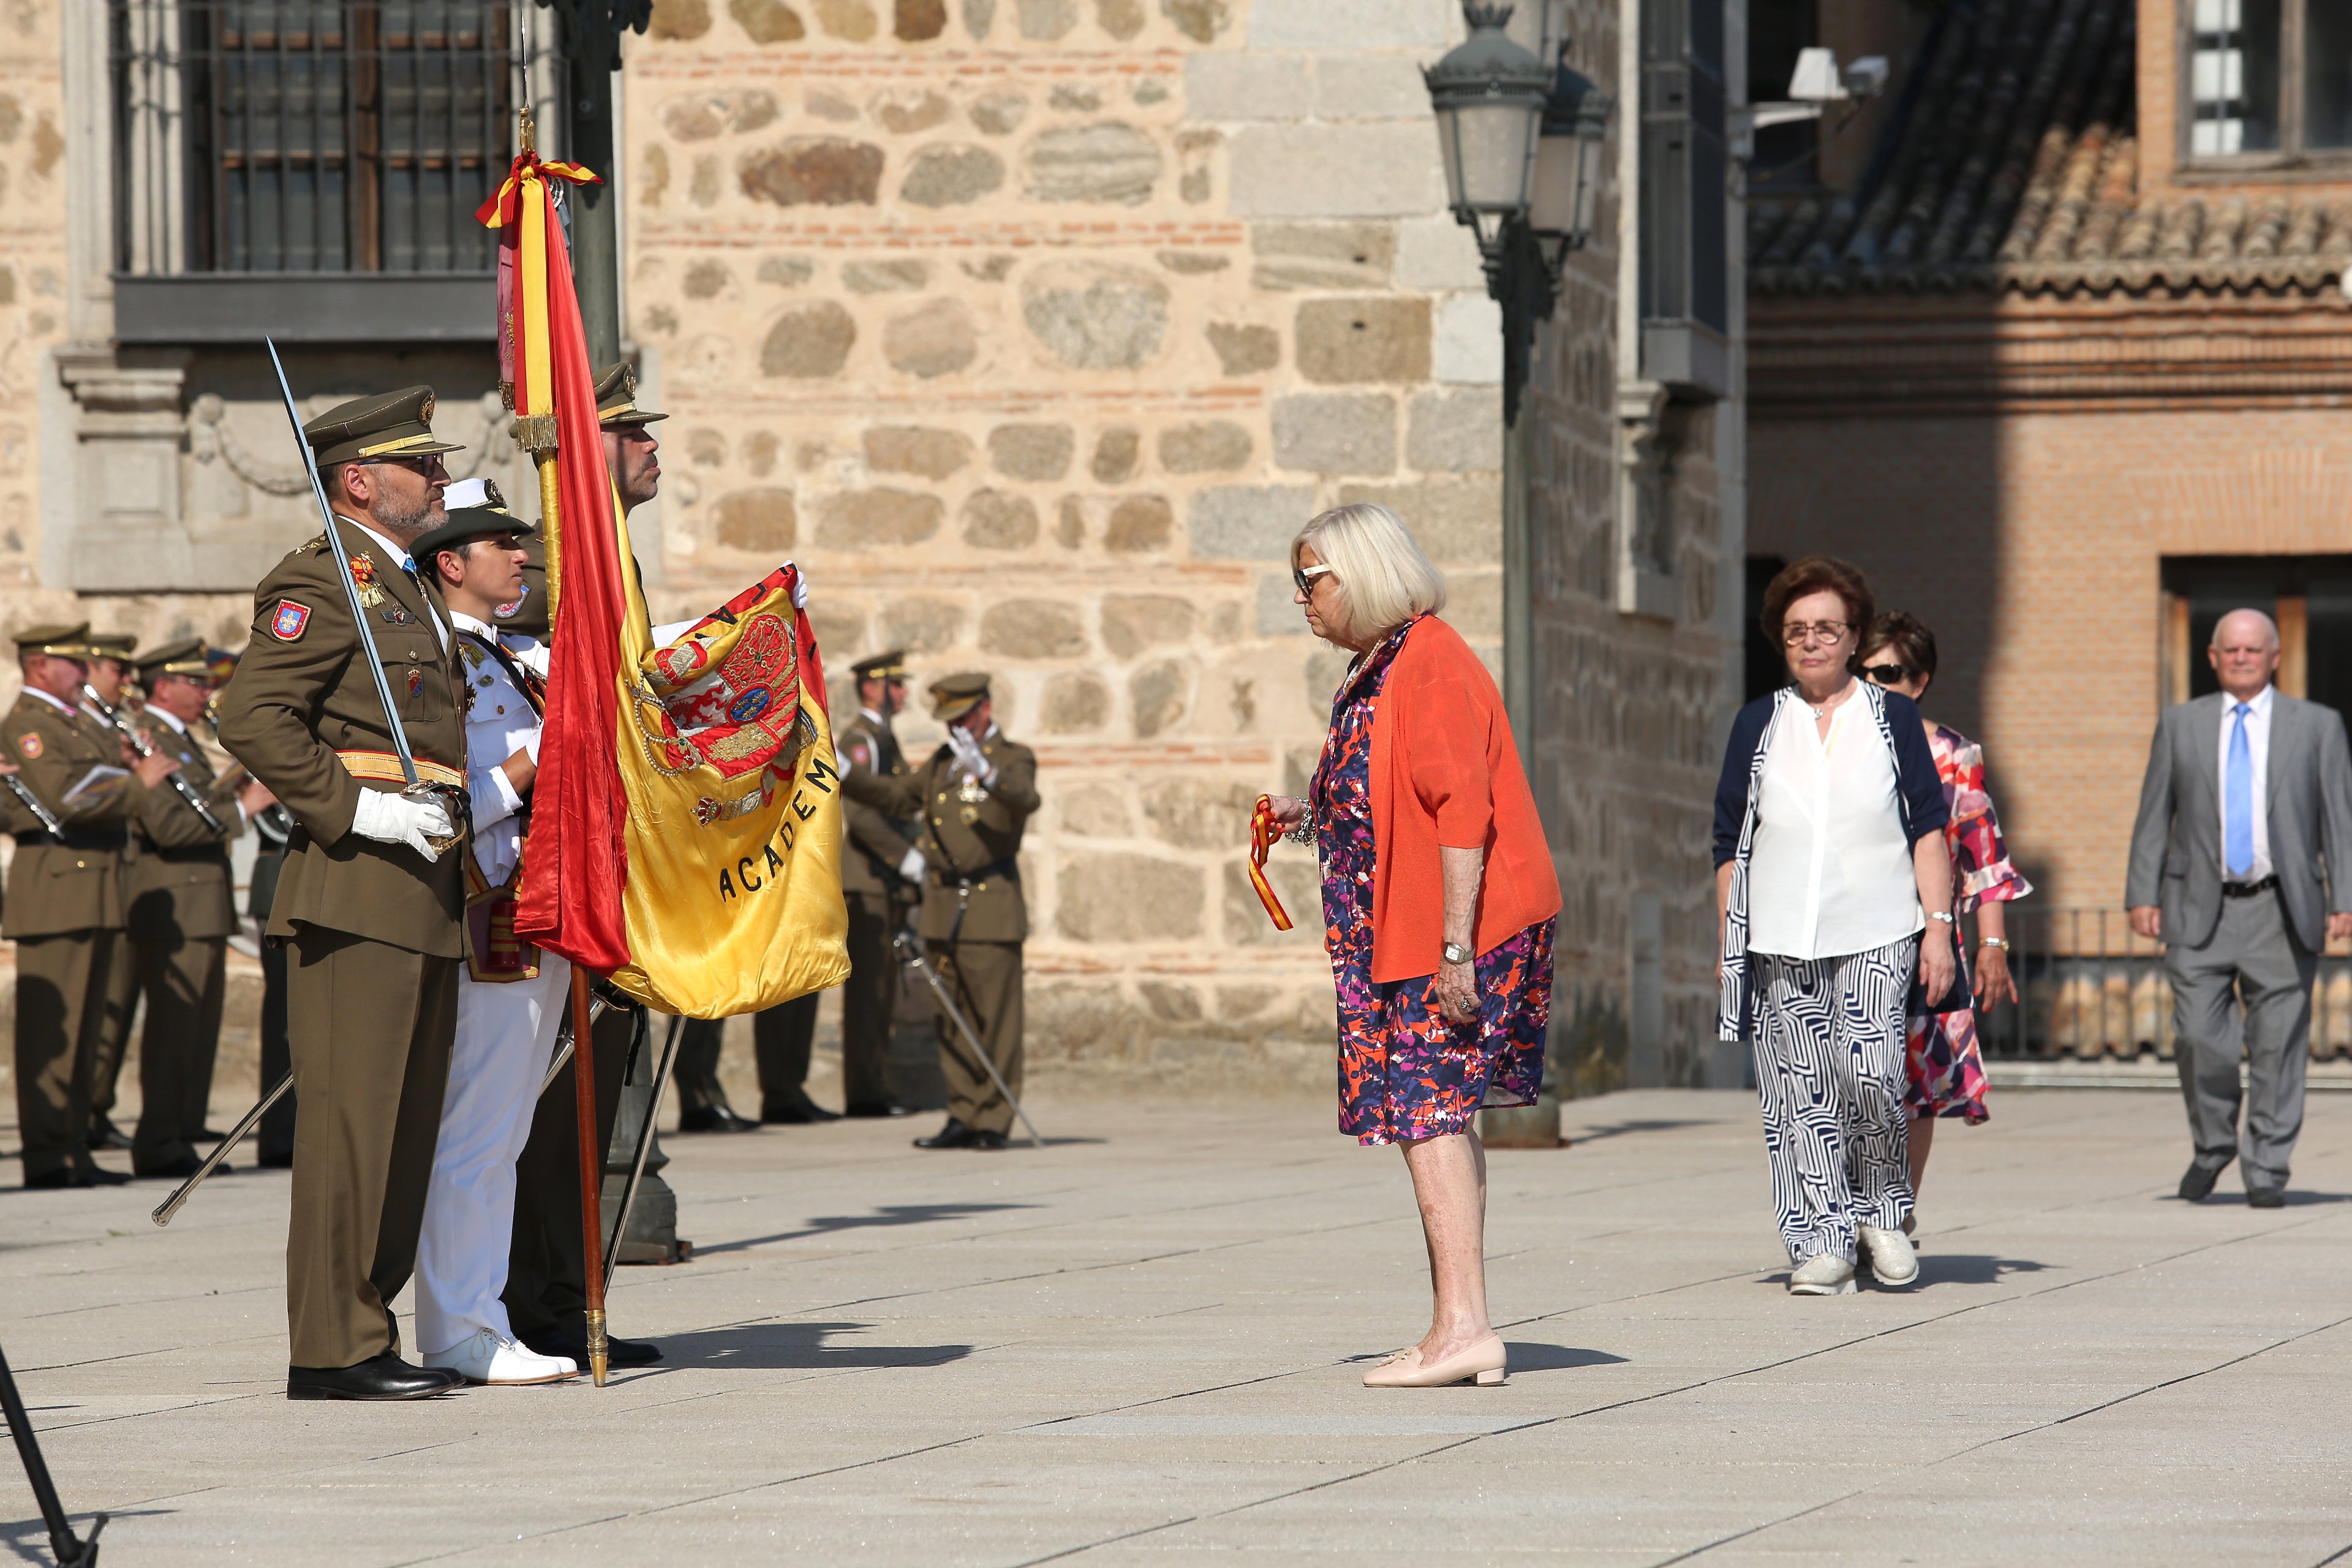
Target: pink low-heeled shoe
[(1485, 1362)]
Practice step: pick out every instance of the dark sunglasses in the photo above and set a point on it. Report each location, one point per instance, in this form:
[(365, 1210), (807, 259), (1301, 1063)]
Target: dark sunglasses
[(422, 468), (1305, 577), (1889, 674)]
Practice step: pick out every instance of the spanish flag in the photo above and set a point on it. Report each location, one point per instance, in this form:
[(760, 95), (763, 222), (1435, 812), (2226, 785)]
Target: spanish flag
[(686, 832)]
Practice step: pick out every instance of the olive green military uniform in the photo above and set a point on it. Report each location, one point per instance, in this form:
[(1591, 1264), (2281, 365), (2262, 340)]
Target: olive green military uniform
[(876, 895), (181, 909), (64, 910), (122, 978), (374, 929), (974, 917)]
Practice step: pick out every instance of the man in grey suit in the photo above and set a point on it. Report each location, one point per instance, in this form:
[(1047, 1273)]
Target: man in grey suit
[(2241, 865)]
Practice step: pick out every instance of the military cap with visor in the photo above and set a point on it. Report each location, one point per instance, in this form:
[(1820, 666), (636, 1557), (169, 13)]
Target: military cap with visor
[(393, 426), (186, 655), (891, 665), (116, 646), (465, 525), (616, 396), (953, 696), (58, 639), (474, 492)]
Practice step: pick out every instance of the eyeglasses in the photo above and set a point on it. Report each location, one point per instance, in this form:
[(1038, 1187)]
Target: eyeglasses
[(1305, 577), (1889, 674), (1796, 632), (422, 467)]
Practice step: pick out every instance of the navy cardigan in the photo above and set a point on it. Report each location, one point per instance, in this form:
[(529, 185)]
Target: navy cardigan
[(1918, 787)]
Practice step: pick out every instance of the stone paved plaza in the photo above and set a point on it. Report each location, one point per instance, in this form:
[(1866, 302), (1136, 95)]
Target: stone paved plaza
[(1142, 1346)]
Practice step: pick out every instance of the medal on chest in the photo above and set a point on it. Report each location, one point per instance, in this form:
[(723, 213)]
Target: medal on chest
[(363, 579), (970, 794)]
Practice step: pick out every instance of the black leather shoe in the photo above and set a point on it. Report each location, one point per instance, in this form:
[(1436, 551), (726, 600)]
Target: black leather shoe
[(799, 1111), (618, 1352), (956, 1135), (2198, 1181), (877, 1108), (99, 1176), (384, 1376), (179, 1169), (2266, 1197), (716, 1119), (105, 1134), (277, 1160), (63, 1178)]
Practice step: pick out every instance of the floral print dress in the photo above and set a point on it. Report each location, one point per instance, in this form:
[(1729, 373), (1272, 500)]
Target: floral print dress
[(1407, 1072), (1944, 1067)]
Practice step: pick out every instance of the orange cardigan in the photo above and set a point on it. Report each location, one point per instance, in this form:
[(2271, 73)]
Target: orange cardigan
[(1445, 771)]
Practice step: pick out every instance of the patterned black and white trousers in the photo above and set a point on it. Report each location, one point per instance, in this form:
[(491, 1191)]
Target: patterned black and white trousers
[(1829, 1072)]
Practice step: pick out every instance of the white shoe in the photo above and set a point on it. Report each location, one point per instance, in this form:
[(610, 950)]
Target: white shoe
[(1891, 1258), (1826, 1275), (488, 1359)]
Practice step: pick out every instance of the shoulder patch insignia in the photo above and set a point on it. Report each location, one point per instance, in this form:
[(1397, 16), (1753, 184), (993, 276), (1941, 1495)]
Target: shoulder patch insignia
[(286, 623), (861, 755), (30, 744)]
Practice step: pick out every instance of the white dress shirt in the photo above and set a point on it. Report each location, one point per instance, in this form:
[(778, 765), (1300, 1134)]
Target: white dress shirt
[(499, 721), (2258, 742), (1829, 872)]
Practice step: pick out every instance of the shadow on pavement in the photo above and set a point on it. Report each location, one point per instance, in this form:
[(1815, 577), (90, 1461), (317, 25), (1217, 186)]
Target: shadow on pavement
[(1968, 1269), (888, 1215), (777, 1347), (1555, 1358)]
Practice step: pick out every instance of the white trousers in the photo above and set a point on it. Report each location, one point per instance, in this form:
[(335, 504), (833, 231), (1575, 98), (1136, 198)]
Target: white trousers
[(506, 1037)]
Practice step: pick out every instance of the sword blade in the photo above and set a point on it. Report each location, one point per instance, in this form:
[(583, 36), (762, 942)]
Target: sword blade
[(170, 1206)]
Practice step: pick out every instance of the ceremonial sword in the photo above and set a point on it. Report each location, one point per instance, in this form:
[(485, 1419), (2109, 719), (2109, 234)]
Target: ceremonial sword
[(910, 947), (449, 799), (108, 713)]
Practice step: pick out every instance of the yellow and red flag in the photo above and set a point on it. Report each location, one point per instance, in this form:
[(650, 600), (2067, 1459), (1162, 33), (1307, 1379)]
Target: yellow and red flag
[(686, 822)]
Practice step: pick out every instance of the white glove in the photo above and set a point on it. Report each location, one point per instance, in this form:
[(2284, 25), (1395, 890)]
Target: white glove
[(391, 818), (800, 588), (969, 757), (911, 867)]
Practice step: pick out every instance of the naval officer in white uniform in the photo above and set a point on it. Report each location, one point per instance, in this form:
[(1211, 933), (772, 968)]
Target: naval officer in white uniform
[(510, 995)]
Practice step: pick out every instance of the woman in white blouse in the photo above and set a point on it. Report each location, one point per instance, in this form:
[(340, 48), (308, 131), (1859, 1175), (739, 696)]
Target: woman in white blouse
[(1834, 890)]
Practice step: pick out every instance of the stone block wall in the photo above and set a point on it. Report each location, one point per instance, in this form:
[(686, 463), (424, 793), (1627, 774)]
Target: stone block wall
[(33, 280), (1034, 331)]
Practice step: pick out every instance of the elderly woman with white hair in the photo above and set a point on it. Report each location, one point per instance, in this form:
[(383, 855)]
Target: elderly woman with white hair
[(1439, 897)]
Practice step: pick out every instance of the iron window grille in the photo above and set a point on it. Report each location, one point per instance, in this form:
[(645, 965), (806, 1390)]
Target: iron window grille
[(308, 136)]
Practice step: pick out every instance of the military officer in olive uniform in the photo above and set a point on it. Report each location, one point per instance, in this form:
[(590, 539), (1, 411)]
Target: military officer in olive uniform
[(64, 906), (881, 878), (972, 799), (108, 674), (182, 909), (371, 898)]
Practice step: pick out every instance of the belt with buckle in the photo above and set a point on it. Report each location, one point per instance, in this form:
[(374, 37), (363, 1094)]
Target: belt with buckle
[(2248, 889)]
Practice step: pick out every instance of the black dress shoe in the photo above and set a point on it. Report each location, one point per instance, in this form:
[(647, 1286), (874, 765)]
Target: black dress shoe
[(2198, 1181), (877, 1108), (798, 1111), (2266, 1197), (384, 1376), (59, 1180), (105, 1134), (178, 1169), (99, 1176), (618, 1352), (956, 1135), (276, 1159), (715, 1119)]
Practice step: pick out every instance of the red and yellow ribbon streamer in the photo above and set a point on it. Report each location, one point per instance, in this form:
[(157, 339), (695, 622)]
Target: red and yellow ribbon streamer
[(1263, 831)]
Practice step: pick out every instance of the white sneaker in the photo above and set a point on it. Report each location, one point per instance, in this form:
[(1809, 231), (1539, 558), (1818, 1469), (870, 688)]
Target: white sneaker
[(1826, 1275), (1891, 1258), (488, 1359)]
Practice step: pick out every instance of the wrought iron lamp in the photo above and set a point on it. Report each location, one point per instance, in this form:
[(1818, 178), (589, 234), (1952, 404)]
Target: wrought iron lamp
[(1522, 145)]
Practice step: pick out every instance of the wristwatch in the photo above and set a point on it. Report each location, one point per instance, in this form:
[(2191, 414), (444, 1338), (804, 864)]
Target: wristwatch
[(1943, 915), (1457, 953)]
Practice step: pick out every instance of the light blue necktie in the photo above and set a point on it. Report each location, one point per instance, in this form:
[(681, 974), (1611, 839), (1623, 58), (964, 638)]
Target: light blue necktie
[(2238, 802)]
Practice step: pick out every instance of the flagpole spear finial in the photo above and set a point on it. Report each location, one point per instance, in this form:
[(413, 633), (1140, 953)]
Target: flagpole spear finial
[(527, 132)]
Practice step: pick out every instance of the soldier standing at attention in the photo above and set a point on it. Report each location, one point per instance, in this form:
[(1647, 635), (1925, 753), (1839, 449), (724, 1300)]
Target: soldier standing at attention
[(65, 912), (881, 876), (973, 798), (372, 896), (547, 1290), (109, 673), (182, 909)]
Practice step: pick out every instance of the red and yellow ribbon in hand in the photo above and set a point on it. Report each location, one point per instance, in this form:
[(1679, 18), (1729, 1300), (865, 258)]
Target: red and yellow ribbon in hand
[(1263, 831)]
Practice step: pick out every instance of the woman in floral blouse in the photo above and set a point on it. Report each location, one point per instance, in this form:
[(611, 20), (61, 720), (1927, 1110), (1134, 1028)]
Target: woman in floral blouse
[(1946, 1071)]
